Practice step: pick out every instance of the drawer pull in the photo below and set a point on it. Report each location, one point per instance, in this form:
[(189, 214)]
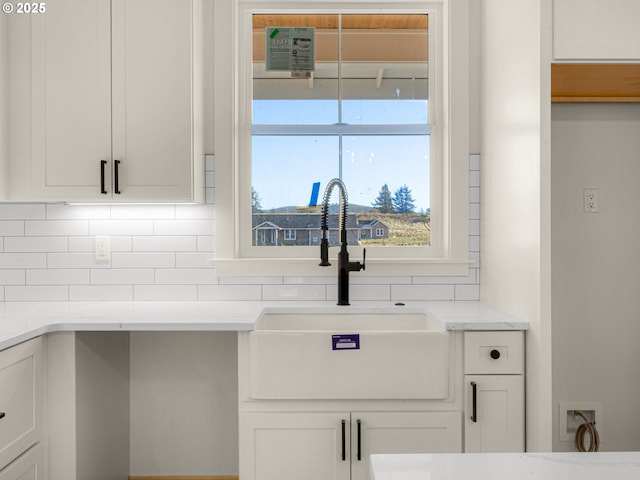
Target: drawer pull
[(116, 180), (359, 442), (344, 440), (474, 402), (2, 414), (103, 191), (495, 354)]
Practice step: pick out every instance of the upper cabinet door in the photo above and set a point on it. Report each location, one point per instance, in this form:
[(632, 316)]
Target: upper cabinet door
[(596, 30), (152, 99), (70, 99), (109, 110)]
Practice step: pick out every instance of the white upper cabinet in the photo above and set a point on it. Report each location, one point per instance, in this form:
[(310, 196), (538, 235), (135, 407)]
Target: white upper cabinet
[(113, 103), (596, 30)]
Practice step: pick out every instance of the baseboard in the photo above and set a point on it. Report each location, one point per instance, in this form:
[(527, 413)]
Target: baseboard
[(182, 477)]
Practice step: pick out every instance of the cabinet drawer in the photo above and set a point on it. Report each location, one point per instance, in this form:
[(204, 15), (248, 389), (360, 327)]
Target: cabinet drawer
[(493, 353), (19, 399), (28, 467)]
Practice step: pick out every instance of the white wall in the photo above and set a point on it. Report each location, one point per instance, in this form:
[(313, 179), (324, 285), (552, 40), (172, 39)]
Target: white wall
[(513, 189), (596, 324), (184, 403), (4, 123)]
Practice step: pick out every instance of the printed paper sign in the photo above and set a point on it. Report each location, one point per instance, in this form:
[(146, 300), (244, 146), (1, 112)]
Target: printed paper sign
[(290, 49)]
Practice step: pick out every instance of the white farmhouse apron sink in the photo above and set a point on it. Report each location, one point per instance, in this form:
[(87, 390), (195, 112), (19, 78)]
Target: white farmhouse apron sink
[(348, 353)]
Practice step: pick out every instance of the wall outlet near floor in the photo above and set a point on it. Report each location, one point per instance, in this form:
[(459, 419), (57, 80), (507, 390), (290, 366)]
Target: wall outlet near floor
[(590, 200), (103, 250), (568, 422)]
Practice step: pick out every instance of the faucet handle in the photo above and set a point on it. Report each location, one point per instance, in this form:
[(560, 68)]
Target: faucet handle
[(357, 266)]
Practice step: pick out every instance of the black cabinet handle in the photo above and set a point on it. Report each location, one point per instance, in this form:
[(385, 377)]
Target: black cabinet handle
[(2, 415), (116, 173), (474, 398), (103, 163), (359, 442), (495, 354), (344, 440)]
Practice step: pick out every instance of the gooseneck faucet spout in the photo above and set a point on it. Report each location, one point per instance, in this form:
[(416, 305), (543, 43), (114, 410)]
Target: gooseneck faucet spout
[(344, 265)]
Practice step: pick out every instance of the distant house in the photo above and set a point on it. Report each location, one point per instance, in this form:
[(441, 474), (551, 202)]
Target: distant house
[(373, 229), (288, 229)]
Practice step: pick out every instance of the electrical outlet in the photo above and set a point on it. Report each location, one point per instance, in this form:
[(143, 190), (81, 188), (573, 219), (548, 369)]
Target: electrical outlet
[(590, 200), (103, 250)]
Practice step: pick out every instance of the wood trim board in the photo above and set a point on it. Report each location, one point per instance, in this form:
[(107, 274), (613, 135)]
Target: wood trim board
[(595, 83)]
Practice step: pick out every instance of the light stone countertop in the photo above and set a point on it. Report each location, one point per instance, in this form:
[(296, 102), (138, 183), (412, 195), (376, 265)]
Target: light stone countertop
[(21, 321), (507, 466)]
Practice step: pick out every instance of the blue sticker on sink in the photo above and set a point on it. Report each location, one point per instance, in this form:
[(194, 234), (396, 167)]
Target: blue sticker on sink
[(346, 341)]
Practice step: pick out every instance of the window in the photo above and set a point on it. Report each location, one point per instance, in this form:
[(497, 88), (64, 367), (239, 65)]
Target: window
[(368, 104)]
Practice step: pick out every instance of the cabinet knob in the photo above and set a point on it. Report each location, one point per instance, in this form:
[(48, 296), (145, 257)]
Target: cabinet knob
[(2, 414), (495, 354)]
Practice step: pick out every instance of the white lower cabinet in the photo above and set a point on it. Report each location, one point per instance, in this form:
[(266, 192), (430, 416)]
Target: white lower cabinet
[(29, 466), (337, 445), (494, 392), (494, 420), (20, 401)]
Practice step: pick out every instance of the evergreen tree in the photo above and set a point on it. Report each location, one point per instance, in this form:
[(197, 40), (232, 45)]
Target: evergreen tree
[(384, 203), (256, 202), (403, 200)]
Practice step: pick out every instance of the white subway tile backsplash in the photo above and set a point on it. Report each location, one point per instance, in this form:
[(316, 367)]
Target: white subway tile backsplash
[(88, 244), (362, 292), (294, 292), (422, 292), (139, 212), (199, 212), (474, 162), (23, 260), (457, 280), (165, 244), (474, 211), (165, 292), (467, 292), (121, 227), (164, 252), (57, 276), (209, 196), (474, 195), (122, 276), (39, 293), (143, 260), (9, 228), (209, 163), (60, 211), (35, 244), (230, 292), (12, 277), (74, 260), (193, 260), (17, 211), (95, 293), (183, 227), (324, 280), (186, 276), (275, 280), (43, 228), (205, 243)]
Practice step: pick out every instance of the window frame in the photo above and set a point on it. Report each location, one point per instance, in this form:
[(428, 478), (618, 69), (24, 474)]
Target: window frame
[(449, 204)]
